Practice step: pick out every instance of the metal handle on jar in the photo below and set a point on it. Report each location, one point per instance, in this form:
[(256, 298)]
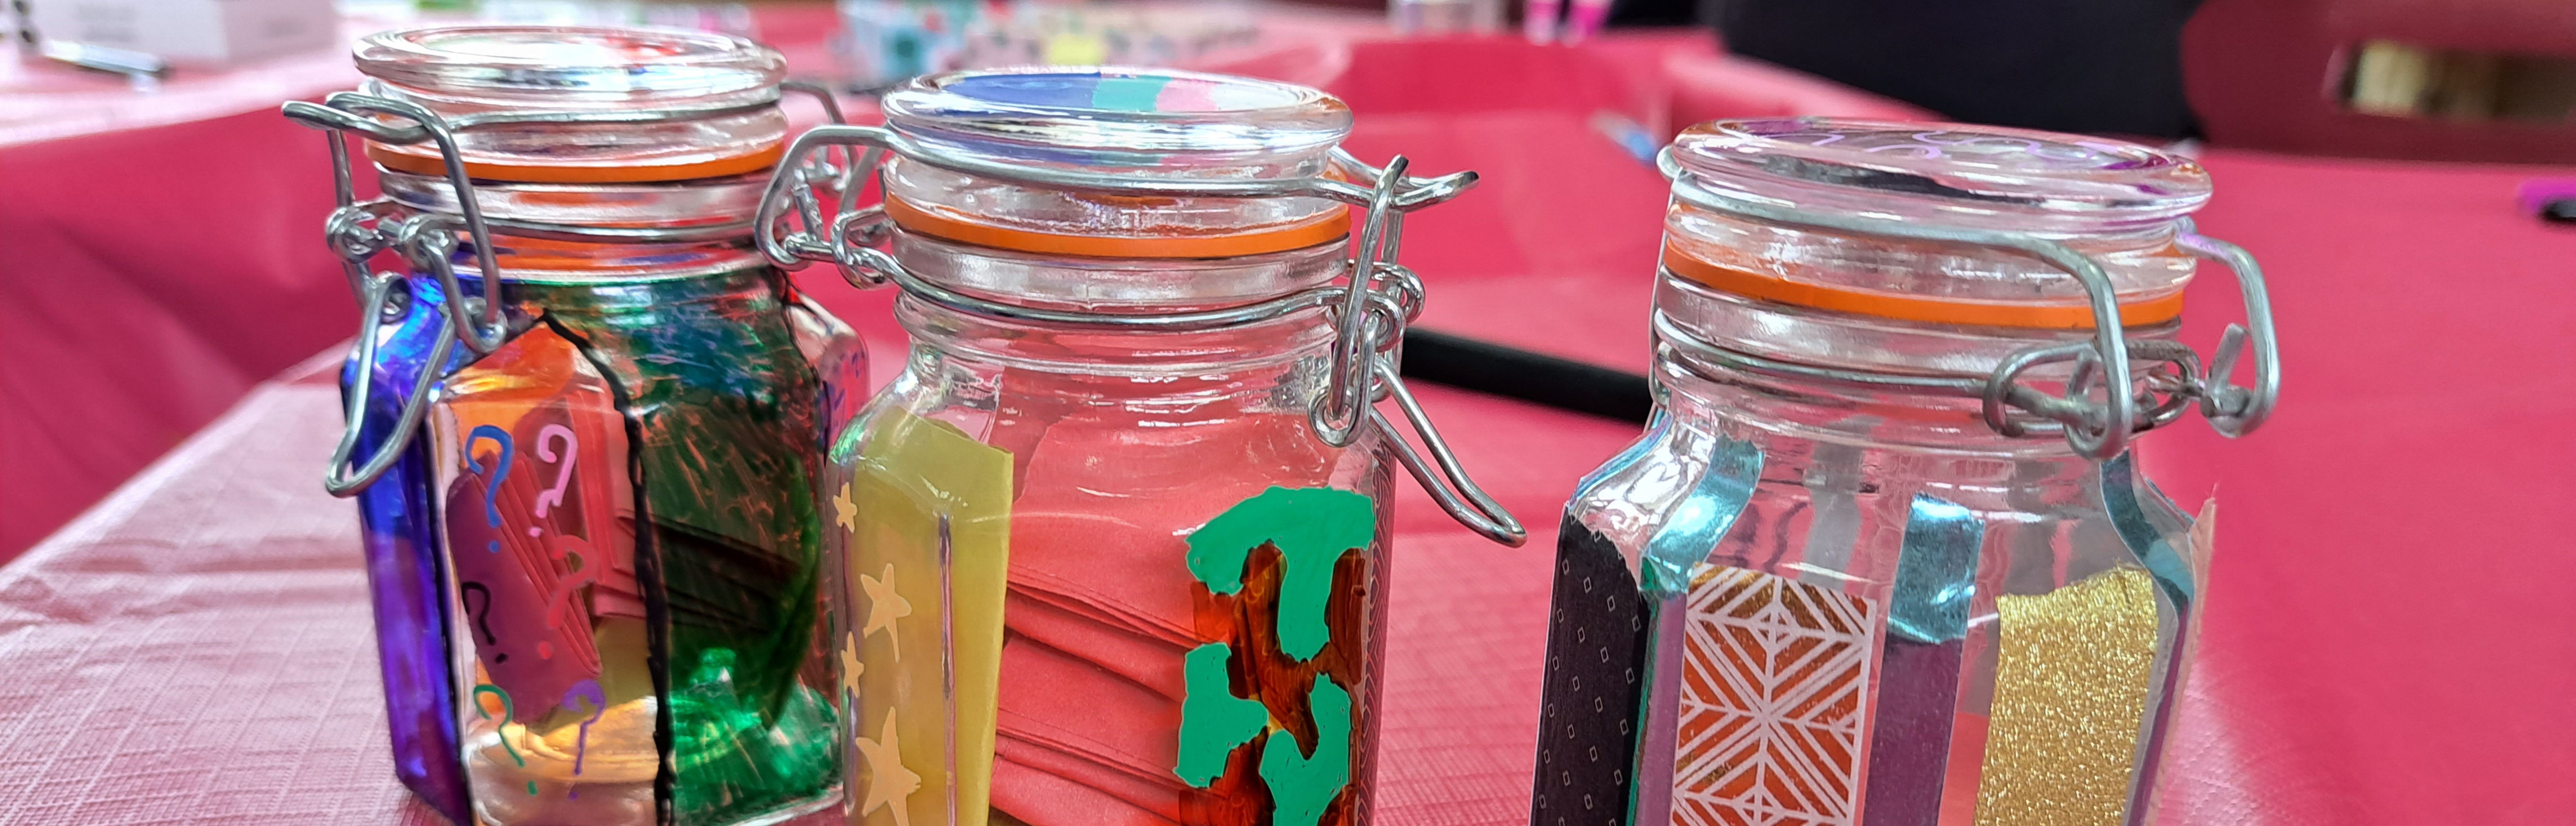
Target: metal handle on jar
[(2233, 409), (1369, 311), (2095, 429), (340, 480), (349, 112), (356, 233)]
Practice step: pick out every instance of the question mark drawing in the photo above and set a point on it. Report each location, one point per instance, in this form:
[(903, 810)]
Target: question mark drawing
[(506, 713), (562, 605), (482, 616), (553, 497), (584, 690), (500, 471)]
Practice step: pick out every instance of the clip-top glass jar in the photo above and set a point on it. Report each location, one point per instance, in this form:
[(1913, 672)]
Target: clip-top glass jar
[(593, 530), (1882, 557), (1117, 536)]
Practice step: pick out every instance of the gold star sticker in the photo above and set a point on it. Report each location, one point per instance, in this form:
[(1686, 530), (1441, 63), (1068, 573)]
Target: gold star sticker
[(844, 511), (890, 785), (884, 607), (851, 668)]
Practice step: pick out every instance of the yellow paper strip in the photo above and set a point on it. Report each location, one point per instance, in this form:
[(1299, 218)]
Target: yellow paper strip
[(913, 473)]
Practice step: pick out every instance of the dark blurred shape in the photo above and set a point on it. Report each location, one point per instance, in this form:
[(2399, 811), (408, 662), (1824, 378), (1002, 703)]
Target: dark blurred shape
[(2563, 212), (1654, 12), (1493, 369), (2102, 66), (2451, 80)]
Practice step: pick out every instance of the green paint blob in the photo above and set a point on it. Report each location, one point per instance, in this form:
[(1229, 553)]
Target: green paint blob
[(1213, 720), (1301, 786), (1128, 94), (1312, 527)]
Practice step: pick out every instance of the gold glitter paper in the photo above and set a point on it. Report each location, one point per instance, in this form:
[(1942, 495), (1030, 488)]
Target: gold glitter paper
[(2070, 694)]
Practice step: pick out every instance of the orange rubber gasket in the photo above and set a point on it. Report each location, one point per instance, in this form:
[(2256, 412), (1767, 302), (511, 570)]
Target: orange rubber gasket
[(1321, 229), (1913, 308), (430, 164)]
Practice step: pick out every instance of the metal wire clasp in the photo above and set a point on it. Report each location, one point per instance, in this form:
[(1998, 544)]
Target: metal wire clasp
[(358, 231), (2096, 428), (1369, 311)]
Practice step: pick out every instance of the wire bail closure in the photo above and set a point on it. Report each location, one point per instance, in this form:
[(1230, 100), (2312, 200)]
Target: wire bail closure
[(1369, 312), (2096, 428), (358, 231)]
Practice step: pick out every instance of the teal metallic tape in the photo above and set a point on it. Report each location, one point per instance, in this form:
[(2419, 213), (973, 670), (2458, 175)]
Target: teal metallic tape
[(1702, 518), (2147, 523), (1935, 572), (1657, 429)]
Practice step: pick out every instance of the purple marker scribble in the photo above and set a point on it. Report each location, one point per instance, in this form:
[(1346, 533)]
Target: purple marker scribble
[(584, 690), (1915, 149)]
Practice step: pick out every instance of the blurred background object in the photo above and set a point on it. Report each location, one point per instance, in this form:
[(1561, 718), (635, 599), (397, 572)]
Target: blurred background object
[(2453, 80), (727, 18), (885, 41), (195, 31), (2100, 66), (1437, 17)]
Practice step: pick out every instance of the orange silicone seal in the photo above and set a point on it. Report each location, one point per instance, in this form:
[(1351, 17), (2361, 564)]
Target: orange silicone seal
[(1766, 287), (428, 163), (1325, 228)]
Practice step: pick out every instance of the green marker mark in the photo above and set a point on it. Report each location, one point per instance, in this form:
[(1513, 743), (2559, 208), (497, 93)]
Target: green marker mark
[(1312, 527), (1128, 94), (1301, 786), (1213, 720)]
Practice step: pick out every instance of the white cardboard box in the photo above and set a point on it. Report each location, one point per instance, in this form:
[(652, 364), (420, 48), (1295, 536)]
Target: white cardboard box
[(192, 31)]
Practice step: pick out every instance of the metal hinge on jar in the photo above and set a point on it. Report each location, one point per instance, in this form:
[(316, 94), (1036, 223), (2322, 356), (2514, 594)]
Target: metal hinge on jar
[(2098, 428), (357, 231), (1369, 312)]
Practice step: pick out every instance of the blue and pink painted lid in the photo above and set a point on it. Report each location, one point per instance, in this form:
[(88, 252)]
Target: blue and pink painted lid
[(1119, 117)]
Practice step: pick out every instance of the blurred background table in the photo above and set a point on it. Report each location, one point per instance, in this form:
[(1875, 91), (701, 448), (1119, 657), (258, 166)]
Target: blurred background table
[(2388, 638)]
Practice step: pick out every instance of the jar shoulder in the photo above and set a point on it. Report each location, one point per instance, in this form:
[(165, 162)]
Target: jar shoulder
[(1698, 490)]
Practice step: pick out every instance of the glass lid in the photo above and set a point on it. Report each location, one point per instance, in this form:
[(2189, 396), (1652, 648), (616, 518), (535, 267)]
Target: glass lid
[(564, 62), (720, 86), (1169, 120), (1947, 174)]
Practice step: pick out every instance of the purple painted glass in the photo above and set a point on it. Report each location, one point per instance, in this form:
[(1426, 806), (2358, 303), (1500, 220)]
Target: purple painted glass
[(398, 526)]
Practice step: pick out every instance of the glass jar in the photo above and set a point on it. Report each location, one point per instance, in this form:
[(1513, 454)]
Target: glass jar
[(1117, 536), (593, 530), (1882, 556)]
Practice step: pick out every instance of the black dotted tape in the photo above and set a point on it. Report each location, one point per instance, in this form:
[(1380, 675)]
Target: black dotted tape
[(1596, 653)]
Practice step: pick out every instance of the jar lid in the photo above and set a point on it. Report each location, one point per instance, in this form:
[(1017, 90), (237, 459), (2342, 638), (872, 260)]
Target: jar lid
[(556, 64), (2116, 201), (1982, 176), (1141, 121), (466, 70), (1129, 123)]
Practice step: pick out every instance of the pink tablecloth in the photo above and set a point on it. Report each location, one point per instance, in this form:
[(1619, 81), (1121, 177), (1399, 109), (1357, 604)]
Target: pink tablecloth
[(2389, 637)]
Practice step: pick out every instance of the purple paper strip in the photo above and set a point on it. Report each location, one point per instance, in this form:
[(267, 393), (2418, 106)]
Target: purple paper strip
[(1909, 747)]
